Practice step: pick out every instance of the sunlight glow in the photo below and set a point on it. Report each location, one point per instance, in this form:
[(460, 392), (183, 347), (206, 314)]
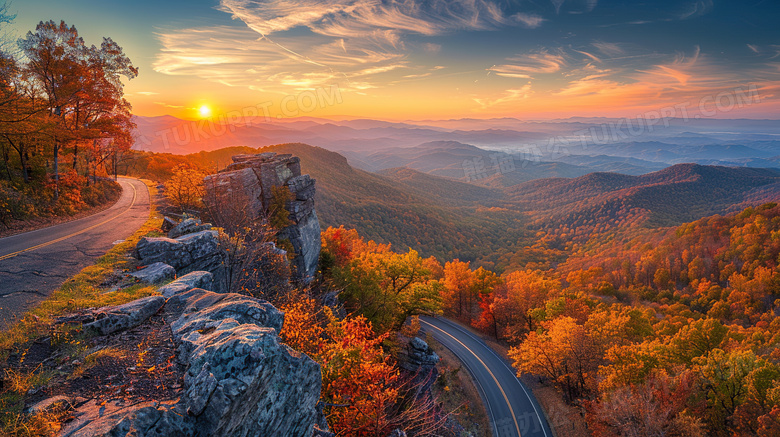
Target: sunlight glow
[(204, 111)]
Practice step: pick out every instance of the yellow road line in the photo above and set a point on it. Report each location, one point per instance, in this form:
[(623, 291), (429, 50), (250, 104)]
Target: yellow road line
[(48, 243), (511, 410), (531, 401)]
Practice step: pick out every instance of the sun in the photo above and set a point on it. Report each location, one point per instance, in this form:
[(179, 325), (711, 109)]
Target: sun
[(204, 111)]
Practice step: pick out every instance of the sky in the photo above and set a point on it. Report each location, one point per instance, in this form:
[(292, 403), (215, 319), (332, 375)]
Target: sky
[(437, 59)]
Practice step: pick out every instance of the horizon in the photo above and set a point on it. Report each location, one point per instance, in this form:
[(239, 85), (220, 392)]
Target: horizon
[(546, 61)]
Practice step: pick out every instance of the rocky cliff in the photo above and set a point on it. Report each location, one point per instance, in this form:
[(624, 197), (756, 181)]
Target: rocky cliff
[(250, 181), (238, 378)]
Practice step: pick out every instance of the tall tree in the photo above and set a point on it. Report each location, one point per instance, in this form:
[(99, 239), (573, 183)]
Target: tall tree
[(81, 85)]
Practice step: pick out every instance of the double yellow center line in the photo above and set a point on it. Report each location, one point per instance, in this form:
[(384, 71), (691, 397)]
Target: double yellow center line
[(49, 243)]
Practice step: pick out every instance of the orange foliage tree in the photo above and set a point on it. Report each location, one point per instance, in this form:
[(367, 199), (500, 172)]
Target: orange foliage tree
[(384, 286), (185, 188)]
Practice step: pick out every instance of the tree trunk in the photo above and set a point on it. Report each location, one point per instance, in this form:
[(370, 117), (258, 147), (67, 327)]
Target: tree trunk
[(23, 159), (6, 161), (56, 171), (87, 160), (76, 157)]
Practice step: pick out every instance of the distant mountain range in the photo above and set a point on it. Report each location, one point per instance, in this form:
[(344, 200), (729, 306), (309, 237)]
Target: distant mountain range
[(494, 152), (493, 222)]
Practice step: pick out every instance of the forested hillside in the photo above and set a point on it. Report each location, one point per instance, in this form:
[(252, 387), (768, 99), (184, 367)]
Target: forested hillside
[(625, 293), (413, 211), (536, 223), (674, 333)]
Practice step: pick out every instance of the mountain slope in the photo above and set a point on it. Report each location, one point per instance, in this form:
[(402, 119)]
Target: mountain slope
[(541, 220), (455, 160), (668, 197), (429, 220)]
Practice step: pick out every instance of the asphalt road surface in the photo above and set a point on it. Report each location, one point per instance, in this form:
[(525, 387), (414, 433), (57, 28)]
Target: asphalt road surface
[(35, 263), (511, 407)]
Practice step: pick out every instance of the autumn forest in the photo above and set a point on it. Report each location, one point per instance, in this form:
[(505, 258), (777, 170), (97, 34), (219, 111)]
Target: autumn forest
[(646, 304), (63, 121)]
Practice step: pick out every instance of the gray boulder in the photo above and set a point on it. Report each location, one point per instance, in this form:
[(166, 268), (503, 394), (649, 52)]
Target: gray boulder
[(243, 381), (114, 419), (117, 318), (238, 189), (419, 354), (167, 224), (150, 250), (155, 273), (240, 379), (201, 309), (419, 361), (188, 226), (199, 251), (197, 279), (52, 402)]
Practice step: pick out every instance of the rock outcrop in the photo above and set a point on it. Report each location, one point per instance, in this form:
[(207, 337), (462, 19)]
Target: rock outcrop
[(155, 273), (419, 356), (198, 251), (112, 319), (419, 361), (196, 279), (250, 179), (240, 379), (187, 226)]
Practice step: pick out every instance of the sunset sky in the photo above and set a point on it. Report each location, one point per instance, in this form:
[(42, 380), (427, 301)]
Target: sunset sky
[(414, 59)]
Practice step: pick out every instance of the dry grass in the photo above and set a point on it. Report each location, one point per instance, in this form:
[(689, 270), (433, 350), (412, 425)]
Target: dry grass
[(564, 419), (82, 290), (92, 359)]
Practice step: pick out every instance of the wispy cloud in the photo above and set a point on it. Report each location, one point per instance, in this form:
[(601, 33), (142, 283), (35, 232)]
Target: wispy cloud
[(609, 48), (147, 93), (681, 70), (240, 57), (169, 106), (694, 9), (589, 55), (683, 78), (531, 21), (357, 41), (351, 18), (574, 6), (506, 97), (525, 66)]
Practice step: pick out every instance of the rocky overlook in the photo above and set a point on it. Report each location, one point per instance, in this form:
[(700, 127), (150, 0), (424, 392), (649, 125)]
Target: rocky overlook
[(236, 377), (249, 182), (239, 379)]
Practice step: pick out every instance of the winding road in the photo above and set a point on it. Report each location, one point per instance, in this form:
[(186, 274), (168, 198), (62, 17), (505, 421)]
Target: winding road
[(35, 263), (511, 407)]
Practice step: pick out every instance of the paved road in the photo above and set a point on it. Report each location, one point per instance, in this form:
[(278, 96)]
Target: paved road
[(512, 410), (34, 264)]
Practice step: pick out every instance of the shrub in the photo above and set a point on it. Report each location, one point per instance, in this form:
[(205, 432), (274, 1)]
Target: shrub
[(14, 204)]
